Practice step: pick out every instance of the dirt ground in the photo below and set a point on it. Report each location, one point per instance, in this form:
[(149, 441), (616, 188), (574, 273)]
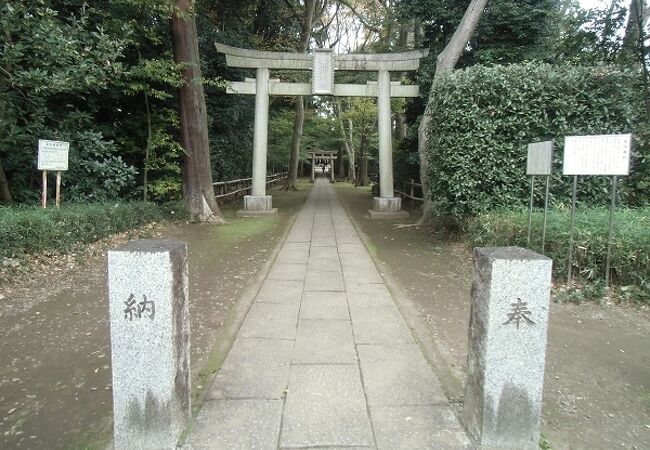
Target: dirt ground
[(55, 376), (597, 384)]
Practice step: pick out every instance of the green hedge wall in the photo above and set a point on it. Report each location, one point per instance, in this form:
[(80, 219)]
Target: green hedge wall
[(484, 117), (27, 230)]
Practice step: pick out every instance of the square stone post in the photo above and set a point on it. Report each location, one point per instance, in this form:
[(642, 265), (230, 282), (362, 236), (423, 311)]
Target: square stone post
[(258, 203), (150, 343), (507, 347), (386, 205), (313, 168)]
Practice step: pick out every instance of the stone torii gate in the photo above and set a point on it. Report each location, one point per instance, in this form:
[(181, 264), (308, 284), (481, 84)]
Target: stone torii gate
[(327, 156), (323, 63)]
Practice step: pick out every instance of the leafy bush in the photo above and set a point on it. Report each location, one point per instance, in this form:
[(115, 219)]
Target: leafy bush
[(31, 230), (484, 117), (630, 259), (96, 172)]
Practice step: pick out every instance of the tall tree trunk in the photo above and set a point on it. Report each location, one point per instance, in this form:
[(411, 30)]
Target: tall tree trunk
[(5, 192), (363, 165), (340, 167), (445, 63), (147, 151), (351, 156), (294, 152), (347, 141), (197, 176), (637, 19), (640, 12), (294, 155)]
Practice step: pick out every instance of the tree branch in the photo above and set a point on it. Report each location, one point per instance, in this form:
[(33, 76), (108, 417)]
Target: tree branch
[(359, 16)]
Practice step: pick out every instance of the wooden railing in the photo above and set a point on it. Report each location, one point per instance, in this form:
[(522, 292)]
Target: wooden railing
[(409, 189), (228, 190)]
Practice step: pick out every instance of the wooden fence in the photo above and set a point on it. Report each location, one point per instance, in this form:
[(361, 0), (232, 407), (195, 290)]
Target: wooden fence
[(225, 191), (409, 189)]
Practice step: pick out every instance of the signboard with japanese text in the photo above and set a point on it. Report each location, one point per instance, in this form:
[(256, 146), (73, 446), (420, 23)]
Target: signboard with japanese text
[(53, 155), (540, 158), (597, 155)]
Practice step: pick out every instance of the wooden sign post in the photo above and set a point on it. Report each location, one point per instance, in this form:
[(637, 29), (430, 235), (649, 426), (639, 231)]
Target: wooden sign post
[(52, 155)]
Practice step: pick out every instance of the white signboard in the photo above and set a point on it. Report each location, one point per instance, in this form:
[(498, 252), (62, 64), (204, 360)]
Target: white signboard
[(540, 158), (323, 73), (597, 155), (53, 155)]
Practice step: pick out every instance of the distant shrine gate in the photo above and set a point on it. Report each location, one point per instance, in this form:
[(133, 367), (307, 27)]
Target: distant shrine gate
[(322, 63)]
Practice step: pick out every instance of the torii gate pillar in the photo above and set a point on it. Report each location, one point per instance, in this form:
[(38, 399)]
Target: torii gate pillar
[(386, 205), (258, 203)]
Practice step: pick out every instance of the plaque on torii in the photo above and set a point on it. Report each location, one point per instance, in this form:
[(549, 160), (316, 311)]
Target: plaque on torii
[(323, 63)]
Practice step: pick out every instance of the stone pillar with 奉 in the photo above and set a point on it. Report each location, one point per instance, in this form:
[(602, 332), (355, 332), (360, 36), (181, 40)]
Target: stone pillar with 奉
[(507, 347)]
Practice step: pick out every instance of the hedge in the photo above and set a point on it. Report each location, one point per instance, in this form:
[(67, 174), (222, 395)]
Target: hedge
[(31, 230), (484, 117), (630, 261)]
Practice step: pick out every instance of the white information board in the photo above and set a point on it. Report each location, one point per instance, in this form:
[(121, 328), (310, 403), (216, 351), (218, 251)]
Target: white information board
[(323, 73), (607, 154), (53, 155), (540, 158)]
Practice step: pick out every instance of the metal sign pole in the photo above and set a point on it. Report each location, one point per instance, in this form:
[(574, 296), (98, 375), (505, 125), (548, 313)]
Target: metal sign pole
[(573, 218), (44, 200), (58, 189), (530, 208), (548, 184), (609, 233)]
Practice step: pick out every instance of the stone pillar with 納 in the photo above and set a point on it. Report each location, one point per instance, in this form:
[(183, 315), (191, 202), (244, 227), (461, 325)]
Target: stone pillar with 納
[(507, 347), (150, 343)]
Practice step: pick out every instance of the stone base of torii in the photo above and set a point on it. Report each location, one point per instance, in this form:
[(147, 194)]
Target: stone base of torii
[(323, 63)]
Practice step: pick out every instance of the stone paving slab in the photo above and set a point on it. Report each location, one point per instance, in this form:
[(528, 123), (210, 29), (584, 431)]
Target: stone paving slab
[(299, 236), (352, 247), (240, 376), (324, 306), (376, 289), (294, 253), (324, 264), (361, 274), (325, 406), (271, 321), (417, 428), (324, 342), (396, 375), (379, 325), (318, 280), (323, 252), (281, 291), (361, 302), (287, 272), (237, 424)]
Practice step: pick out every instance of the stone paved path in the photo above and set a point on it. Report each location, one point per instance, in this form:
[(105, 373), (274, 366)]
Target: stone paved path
[(324, 358)]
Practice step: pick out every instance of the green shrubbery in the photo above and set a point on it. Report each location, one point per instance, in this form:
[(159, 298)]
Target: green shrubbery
[(630, 260), (484, 117), (31, 230)]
